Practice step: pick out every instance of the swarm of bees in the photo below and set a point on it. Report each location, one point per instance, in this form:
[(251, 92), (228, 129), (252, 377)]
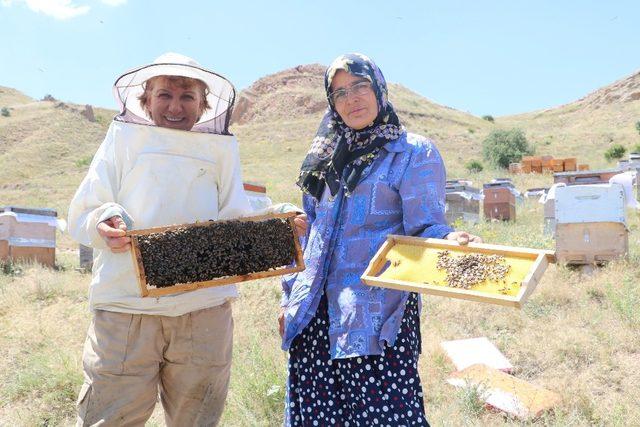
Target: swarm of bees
[(469, 270), (229, 248)]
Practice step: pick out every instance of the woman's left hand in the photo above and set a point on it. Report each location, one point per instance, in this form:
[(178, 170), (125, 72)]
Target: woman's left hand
[(462, 237), (300, 222)]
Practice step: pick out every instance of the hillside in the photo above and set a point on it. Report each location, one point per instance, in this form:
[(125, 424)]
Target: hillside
[(587, 127)]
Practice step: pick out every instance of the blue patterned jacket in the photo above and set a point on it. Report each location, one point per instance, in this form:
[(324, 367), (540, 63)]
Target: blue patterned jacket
[(402, 192)]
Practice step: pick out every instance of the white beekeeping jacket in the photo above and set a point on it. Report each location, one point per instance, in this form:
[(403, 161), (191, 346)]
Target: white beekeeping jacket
[(154, 176)]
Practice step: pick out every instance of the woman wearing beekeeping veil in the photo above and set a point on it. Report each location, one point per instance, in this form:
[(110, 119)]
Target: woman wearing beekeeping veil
[(168, 158)]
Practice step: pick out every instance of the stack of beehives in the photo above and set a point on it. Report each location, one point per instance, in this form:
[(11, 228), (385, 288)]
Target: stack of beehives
[(546, 164), (28, 234)]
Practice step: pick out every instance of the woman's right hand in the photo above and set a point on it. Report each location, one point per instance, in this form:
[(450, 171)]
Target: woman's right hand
[(113, 231), (281, 321)]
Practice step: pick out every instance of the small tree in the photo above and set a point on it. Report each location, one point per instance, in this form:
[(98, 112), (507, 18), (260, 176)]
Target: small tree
[(474, 166), (615, 152), (488, 118), (5, 112), (502, 147)]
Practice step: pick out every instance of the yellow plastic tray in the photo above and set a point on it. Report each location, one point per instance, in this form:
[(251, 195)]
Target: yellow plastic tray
[(409, 264)]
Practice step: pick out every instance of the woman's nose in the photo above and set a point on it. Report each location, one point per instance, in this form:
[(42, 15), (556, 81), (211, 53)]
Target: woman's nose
[(175, 106)]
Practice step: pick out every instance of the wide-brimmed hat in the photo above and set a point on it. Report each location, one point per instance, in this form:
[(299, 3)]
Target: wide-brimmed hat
[(129, 86)]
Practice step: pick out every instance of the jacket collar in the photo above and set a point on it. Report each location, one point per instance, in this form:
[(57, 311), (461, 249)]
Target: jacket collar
[(397, 146)]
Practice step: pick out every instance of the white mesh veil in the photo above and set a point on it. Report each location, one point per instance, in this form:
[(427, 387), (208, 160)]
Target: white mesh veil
[(129, 86)]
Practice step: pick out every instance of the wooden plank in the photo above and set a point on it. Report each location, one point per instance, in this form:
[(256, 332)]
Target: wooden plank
[(533, 278), (443, 291), (484, 248), (183, 287), (379, 259), (299, 256), (139, 266)]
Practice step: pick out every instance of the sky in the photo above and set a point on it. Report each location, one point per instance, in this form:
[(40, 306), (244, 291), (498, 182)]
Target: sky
[(485, 57)]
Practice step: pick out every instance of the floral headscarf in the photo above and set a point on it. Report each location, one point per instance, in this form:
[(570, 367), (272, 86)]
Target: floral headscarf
[(338, 149)]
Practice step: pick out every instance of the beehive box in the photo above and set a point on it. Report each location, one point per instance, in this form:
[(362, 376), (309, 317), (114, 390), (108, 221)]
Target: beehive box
[(569, 164), (591, 243), (410, 264), (29, 235), (558, 165), (499, 201), (590, 203), (187, 257), (590, 223), (462, 203)]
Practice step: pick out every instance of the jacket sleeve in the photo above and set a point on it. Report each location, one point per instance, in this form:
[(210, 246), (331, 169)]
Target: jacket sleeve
[(232, 200), (95, 199), (422, 190), (309, 205)]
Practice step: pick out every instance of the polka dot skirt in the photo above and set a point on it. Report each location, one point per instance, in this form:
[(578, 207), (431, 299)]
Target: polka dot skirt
[(381, 390)]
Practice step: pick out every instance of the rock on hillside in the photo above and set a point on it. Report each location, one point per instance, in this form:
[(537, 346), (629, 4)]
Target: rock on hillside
[(619, 92), (290, 93)]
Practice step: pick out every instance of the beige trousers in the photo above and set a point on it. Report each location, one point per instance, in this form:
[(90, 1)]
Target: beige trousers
[(128, 358)]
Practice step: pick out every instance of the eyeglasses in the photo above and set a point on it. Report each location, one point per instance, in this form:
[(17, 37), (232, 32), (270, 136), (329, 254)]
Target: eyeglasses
[(359, 89)]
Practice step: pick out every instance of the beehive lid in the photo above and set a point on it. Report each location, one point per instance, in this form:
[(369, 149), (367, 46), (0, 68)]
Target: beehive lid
[(30, 211), (498, 184), (459, 188), (587, 172), (590, 203)]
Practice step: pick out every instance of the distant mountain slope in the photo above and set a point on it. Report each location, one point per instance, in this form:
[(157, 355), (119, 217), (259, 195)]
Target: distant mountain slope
[(9, 97), (588, 126)]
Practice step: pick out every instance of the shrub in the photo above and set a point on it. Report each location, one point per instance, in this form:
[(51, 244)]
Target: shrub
[(488, 118), (474, 166), (615, 152), (5, 112), (638, 126), (502, 147), (636, 149)]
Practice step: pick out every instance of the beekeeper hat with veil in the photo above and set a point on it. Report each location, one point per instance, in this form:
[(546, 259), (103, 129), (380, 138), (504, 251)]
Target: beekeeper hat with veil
[(220, 92), (196, 173)]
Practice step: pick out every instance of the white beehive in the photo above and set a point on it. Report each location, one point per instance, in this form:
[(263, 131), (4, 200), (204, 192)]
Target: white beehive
[(590, 223), (590, 203)]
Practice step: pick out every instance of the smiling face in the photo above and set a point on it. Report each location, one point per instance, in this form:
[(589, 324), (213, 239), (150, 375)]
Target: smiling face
[(174, 102), (356, 110)]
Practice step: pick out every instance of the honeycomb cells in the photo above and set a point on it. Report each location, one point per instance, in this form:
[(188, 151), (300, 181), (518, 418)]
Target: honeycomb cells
[(219, 249)]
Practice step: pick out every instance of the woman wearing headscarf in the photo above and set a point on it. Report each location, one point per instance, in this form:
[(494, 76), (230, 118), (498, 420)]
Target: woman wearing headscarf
[(353, 349)]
